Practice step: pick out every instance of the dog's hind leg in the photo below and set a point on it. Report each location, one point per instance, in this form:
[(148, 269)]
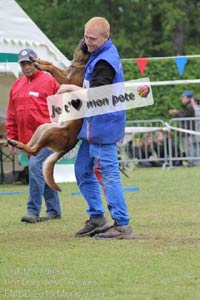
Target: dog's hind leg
[(24, 147), (20, 146), (13, 143), (35, 144)]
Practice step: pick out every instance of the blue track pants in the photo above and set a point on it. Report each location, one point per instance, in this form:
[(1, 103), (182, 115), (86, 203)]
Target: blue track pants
[(98, 164)]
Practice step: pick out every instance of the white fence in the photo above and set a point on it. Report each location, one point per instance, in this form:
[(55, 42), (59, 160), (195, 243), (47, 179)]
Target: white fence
[(155, 143)]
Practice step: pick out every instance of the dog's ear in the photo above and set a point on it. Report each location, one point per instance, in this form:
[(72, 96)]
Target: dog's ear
[(81, 53), (83, 46)]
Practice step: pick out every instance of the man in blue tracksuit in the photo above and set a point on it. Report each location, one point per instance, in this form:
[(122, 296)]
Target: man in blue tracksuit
[(97, 159)]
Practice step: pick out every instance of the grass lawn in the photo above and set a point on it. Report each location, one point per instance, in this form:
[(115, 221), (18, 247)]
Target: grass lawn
[(45, 261)]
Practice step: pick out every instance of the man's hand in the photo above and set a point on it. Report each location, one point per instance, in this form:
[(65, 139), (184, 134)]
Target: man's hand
[(65, 88), (173, 112)]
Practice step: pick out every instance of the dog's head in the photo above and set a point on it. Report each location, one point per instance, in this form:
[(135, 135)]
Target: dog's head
[(81, 54), (74, 73)]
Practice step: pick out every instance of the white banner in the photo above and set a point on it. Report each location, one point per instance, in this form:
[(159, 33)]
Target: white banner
[(100, 100)]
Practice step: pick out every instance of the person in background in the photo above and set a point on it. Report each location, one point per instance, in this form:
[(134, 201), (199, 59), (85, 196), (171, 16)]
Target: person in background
[(188, 109), (196, 142), (161, 147), (186, 112), (146, 152), (27, 109), (97, 159), (196, 105), (154, 150)]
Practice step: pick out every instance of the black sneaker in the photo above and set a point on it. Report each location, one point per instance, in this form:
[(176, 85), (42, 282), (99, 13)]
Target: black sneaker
[(117, 232), (93, 226), (30, 218), (49, 217)]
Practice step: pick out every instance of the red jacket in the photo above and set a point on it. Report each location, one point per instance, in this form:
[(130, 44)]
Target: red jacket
[(27, 107)]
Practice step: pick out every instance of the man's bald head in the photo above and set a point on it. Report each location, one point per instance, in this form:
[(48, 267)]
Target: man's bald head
[(99, 23)]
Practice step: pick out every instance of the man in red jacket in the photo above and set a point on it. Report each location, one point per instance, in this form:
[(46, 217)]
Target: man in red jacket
[(27, 109)]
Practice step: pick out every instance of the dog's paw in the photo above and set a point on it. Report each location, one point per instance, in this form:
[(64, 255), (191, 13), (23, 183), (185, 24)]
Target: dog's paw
[(12, 143)]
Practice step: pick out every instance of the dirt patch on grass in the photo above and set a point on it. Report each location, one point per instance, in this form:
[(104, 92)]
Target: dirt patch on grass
[(167, 239)]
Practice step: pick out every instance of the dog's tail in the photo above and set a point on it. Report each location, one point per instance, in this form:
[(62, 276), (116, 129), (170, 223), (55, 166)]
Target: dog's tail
[(48, 169)]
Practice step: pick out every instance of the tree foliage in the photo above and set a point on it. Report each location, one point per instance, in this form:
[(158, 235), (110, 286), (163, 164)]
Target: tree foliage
[(139, 28)]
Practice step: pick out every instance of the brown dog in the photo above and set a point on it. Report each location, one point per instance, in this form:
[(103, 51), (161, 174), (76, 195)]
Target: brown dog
[(59, 138)]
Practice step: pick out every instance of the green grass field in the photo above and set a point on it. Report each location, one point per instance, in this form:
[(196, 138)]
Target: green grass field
[(45, 261)]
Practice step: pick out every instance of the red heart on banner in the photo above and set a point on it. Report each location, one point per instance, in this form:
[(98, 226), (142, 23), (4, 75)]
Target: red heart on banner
[(143, 91)]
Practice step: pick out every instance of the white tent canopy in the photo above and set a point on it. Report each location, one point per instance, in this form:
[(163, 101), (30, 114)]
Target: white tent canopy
[(18, 31)]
